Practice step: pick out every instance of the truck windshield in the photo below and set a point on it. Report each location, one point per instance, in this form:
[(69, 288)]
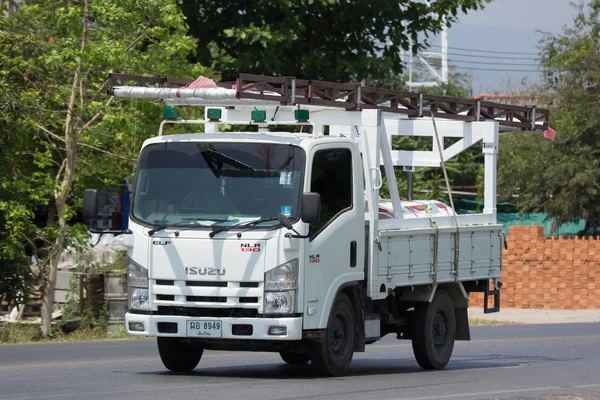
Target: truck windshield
[(205, 183)]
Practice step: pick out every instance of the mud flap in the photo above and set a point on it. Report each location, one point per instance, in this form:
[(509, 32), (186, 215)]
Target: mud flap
[(462, 324)]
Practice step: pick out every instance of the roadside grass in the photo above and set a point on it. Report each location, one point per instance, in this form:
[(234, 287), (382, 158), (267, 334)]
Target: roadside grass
[(31, 333), (11, 333), (19, 333)]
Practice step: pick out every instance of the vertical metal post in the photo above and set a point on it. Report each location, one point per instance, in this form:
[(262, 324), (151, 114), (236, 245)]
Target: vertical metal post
[(388, 164), (372, 213), (82, 282), (409, 194), (445, 55), (410, 67), (211, 127), (490, 153)]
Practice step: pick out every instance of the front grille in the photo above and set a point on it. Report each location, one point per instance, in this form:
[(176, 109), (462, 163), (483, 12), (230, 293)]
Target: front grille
[(198, 293), (208, 312), (206, 284), (207, 299), (248, 299)]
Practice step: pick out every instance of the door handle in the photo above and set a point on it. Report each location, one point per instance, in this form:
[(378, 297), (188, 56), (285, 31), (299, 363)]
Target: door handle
[(353, 254)]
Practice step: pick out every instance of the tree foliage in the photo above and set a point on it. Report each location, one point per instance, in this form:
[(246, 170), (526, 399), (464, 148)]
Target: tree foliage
[(562, 178), (56, 57), (60, 132), (15, 207), (337, 40)]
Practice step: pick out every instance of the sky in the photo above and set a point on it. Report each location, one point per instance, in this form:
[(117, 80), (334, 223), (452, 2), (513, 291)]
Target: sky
[(492, 38)]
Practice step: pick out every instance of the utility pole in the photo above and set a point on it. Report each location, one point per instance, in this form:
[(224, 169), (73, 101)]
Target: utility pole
[(436, 72)]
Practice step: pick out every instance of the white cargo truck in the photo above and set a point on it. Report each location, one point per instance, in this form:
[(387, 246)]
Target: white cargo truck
[(267, 240)]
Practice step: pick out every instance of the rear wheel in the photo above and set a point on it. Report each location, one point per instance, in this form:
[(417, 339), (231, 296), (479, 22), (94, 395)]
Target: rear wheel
[(177, 356), (434, 331), (295, 358), (333, 355)]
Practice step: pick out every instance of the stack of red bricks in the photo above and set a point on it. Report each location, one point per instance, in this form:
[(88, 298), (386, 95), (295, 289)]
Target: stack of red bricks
[(553, 273)]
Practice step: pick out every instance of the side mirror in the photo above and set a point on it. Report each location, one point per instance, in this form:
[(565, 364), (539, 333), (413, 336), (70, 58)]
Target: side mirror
[(311, 207), (90, 204), (90, 213)]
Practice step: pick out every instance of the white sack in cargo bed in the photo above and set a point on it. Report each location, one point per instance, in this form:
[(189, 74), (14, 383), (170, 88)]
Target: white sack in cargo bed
[(415, 209)]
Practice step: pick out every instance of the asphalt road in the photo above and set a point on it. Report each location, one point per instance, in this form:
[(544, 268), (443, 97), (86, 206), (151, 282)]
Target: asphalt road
[(500, 362)]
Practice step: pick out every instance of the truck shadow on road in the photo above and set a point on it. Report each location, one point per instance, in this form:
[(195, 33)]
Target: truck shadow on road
[(362, 367), (283, 371)]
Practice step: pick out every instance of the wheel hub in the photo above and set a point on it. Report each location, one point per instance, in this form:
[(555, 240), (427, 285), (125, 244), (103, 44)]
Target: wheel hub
[(440, 330), (338, 335)]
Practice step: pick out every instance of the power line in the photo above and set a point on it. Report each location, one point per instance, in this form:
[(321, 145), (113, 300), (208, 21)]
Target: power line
[(492, 63), (451, 59), (482, 69), (485, 56), (485, 51), (497, 57), (495, 69)]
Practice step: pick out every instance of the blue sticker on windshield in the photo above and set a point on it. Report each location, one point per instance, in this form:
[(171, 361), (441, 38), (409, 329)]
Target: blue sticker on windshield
[(286, 210)]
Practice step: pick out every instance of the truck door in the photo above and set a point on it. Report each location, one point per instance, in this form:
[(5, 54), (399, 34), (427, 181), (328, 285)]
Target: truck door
[(335, 248)]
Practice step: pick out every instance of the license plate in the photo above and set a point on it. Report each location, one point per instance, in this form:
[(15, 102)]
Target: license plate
[(210, 329)]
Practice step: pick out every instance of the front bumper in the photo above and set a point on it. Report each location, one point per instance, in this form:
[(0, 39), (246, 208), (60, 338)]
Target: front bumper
[(260, 326)]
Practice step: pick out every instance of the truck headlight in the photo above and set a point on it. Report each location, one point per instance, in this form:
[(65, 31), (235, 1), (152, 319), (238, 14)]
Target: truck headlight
[(280, 288), (280, 302), (139, 298), (137, 276)]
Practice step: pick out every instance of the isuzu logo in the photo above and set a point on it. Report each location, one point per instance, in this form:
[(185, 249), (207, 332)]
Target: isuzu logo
[(204, 271)]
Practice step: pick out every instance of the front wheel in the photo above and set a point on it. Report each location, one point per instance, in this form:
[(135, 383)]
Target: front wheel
[(177, 356), (434, 331), (333, 355)]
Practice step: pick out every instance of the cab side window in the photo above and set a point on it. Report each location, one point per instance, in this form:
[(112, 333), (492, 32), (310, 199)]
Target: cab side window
[(332, 179)]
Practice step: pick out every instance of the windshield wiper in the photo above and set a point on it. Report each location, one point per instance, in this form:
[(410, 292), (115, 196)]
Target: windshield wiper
[(184, 220), (215, 160), (244, 224)]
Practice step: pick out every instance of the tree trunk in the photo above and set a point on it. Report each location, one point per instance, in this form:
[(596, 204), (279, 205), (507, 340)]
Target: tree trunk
[(67, 170), (51, 213), (50, 283)]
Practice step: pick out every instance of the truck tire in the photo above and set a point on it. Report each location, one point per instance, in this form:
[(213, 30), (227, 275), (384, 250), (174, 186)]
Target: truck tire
[(434, 331), (332, 356), (177, 356), (295, 358)]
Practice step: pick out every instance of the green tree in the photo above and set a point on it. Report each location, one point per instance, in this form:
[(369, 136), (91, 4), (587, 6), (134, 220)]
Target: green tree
[(337, 40), (55, 59), (562, 178), (15, 214)]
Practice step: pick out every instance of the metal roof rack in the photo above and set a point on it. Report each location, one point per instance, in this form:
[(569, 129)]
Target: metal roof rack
[(260, 89)]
